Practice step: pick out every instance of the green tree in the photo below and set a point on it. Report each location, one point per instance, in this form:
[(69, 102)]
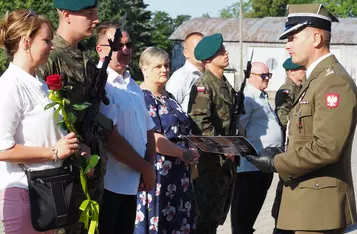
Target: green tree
[(233, 10), (164, 26), (264, 8), (205, 15), (43, 7)]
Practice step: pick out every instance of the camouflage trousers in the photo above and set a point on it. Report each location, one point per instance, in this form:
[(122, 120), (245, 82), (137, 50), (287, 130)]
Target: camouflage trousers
[(213, 191)]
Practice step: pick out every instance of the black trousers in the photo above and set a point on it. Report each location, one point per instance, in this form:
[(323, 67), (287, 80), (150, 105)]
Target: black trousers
[(117, 214), (249, 194)]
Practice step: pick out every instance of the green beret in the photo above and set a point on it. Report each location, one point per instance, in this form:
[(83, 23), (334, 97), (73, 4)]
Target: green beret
[(208, 46), (75, 5), (289, 65), (307, 15)]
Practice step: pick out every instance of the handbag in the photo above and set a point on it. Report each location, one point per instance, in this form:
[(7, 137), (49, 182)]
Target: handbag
[(50, 198)]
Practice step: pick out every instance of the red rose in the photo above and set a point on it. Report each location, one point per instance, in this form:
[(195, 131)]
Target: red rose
[(54, 82)]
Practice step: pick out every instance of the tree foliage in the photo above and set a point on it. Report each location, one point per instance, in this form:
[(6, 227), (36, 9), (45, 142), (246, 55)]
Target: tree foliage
[(233, 10), (164, 26), (264, 8)]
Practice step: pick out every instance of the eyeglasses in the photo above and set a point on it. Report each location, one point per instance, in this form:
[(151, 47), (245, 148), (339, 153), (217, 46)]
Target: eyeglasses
[(31, 12), (120, 46), (263, 75)]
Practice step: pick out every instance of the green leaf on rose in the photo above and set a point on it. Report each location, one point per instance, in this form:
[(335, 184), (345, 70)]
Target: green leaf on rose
[(80, 107), (62, 125), (91, 163), (50, 105), (66, 101), (71, 118)]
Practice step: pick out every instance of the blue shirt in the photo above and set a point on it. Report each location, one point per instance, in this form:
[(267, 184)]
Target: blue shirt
[(260, 125)]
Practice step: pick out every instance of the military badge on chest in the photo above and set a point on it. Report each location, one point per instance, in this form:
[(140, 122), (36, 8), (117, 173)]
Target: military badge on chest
[(332, 100)]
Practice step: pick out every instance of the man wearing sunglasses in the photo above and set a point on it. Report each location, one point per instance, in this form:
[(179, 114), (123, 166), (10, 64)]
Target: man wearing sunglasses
[(261, 127), (131, 145)]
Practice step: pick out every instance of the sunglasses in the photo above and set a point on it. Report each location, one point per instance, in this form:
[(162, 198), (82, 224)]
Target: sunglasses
[(263, 75), (31, 12), (120, 46)]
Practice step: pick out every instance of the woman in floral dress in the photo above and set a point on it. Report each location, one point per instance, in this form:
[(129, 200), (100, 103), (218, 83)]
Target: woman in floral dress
[(169, 208)]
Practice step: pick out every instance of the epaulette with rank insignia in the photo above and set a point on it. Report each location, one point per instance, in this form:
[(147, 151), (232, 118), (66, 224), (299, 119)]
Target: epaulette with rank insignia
[(329, 71)]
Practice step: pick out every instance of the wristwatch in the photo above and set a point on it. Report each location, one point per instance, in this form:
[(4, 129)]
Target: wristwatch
[(55, 154)]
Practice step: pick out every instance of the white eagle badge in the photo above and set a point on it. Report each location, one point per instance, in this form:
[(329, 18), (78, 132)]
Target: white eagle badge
[(332, 100)]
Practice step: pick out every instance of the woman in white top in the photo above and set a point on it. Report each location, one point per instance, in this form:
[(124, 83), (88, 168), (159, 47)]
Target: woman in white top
[(28, 133)]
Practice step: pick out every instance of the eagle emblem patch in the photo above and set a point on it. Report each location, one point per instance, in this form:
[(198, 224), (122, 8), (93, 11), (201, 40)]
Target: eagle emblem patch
[(332, 100)]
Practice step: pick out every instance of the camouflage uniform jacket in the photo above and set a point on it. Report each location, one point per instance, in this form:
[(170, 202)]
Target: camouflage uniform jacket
[(77, 70), (211, 106), (284, 99)]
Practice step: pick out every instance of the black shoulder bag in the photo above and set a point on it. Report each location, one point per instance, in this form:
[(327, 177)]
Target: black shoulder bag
[(50, 192)]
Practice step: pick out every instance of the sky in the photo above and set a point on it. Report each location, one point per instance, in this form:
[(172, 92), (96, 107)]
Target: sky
[(194, 8)]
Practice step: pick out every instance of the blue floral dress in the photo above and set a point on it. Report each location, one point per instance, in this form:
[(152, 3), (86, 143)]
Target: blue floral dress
[(169, 208)]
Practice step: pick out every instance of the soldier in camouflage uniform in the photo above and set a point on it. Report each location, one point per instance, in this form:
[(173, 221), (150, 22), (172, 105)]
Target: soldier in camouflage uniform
[(211, 106), (284, 100), (77, 21), (286, 94)]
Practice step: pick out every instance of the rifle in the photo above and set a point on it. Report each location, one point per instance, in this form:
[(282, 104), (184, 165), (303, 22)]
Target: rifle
[(93, 117), (239, 100)]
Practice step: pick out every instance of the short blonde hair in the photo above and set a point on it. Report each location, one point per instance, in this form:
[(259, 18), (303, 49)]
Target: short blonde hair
[(151, 55), (18, 24)]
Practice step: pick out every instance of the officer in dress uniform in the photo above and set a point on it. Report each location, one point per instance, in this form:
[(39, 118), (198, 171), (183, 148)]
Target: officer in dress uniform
[(211, 106), (284, 100), (318, 194)]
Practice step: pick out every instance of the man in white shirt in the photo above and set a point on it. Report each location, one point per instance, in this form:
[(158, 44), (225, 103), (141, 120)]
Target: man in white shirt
[(261, 127), (131, 146), (181, 81)]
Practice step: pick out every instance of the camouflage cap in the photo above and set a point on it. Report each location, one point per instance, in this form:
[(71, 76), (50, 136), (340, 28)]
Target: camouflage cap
[(307, 15), (289, 65), (208, 46), (75, 5)]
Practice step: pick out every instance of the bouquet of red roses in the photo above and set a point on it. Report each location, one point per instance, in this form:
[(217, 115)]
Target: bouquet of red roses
[(89, 208)]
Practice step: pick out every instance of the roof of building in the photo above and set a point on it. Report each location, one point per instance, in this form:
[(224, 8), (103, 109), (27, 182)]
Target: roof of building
[(260, 30)]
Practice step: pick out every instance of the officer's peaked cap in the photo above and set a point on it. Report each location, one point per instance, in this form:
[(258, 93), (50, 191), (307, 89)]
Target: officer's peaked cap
[(307, 15)]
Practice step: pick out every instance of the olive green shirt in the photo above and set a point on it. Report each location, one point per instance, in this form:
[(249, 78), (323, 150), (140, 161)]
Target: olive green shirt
[(284, 99), (76, 70)]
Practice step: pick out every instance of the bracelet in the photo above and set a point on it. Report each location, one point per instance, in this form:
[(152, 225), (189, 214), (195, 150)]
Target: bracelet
[(55, 154)]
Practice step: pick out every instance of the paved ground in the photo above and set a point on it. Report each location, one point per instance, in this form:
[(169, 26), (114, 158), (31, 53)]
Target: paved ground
[(265, 223)]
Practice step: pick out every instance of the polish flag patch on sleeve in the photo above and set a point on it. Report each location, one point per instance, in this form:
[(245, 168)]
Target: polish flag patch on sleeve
[(332, 100), (200, 89)]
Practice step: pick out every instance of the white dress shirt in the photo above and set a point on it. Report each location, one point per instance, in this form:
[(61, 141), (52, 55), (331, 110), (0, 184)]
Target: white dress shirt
[(260, 123), (180, 83), (24, 121), (128, 111), (314, 64)]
